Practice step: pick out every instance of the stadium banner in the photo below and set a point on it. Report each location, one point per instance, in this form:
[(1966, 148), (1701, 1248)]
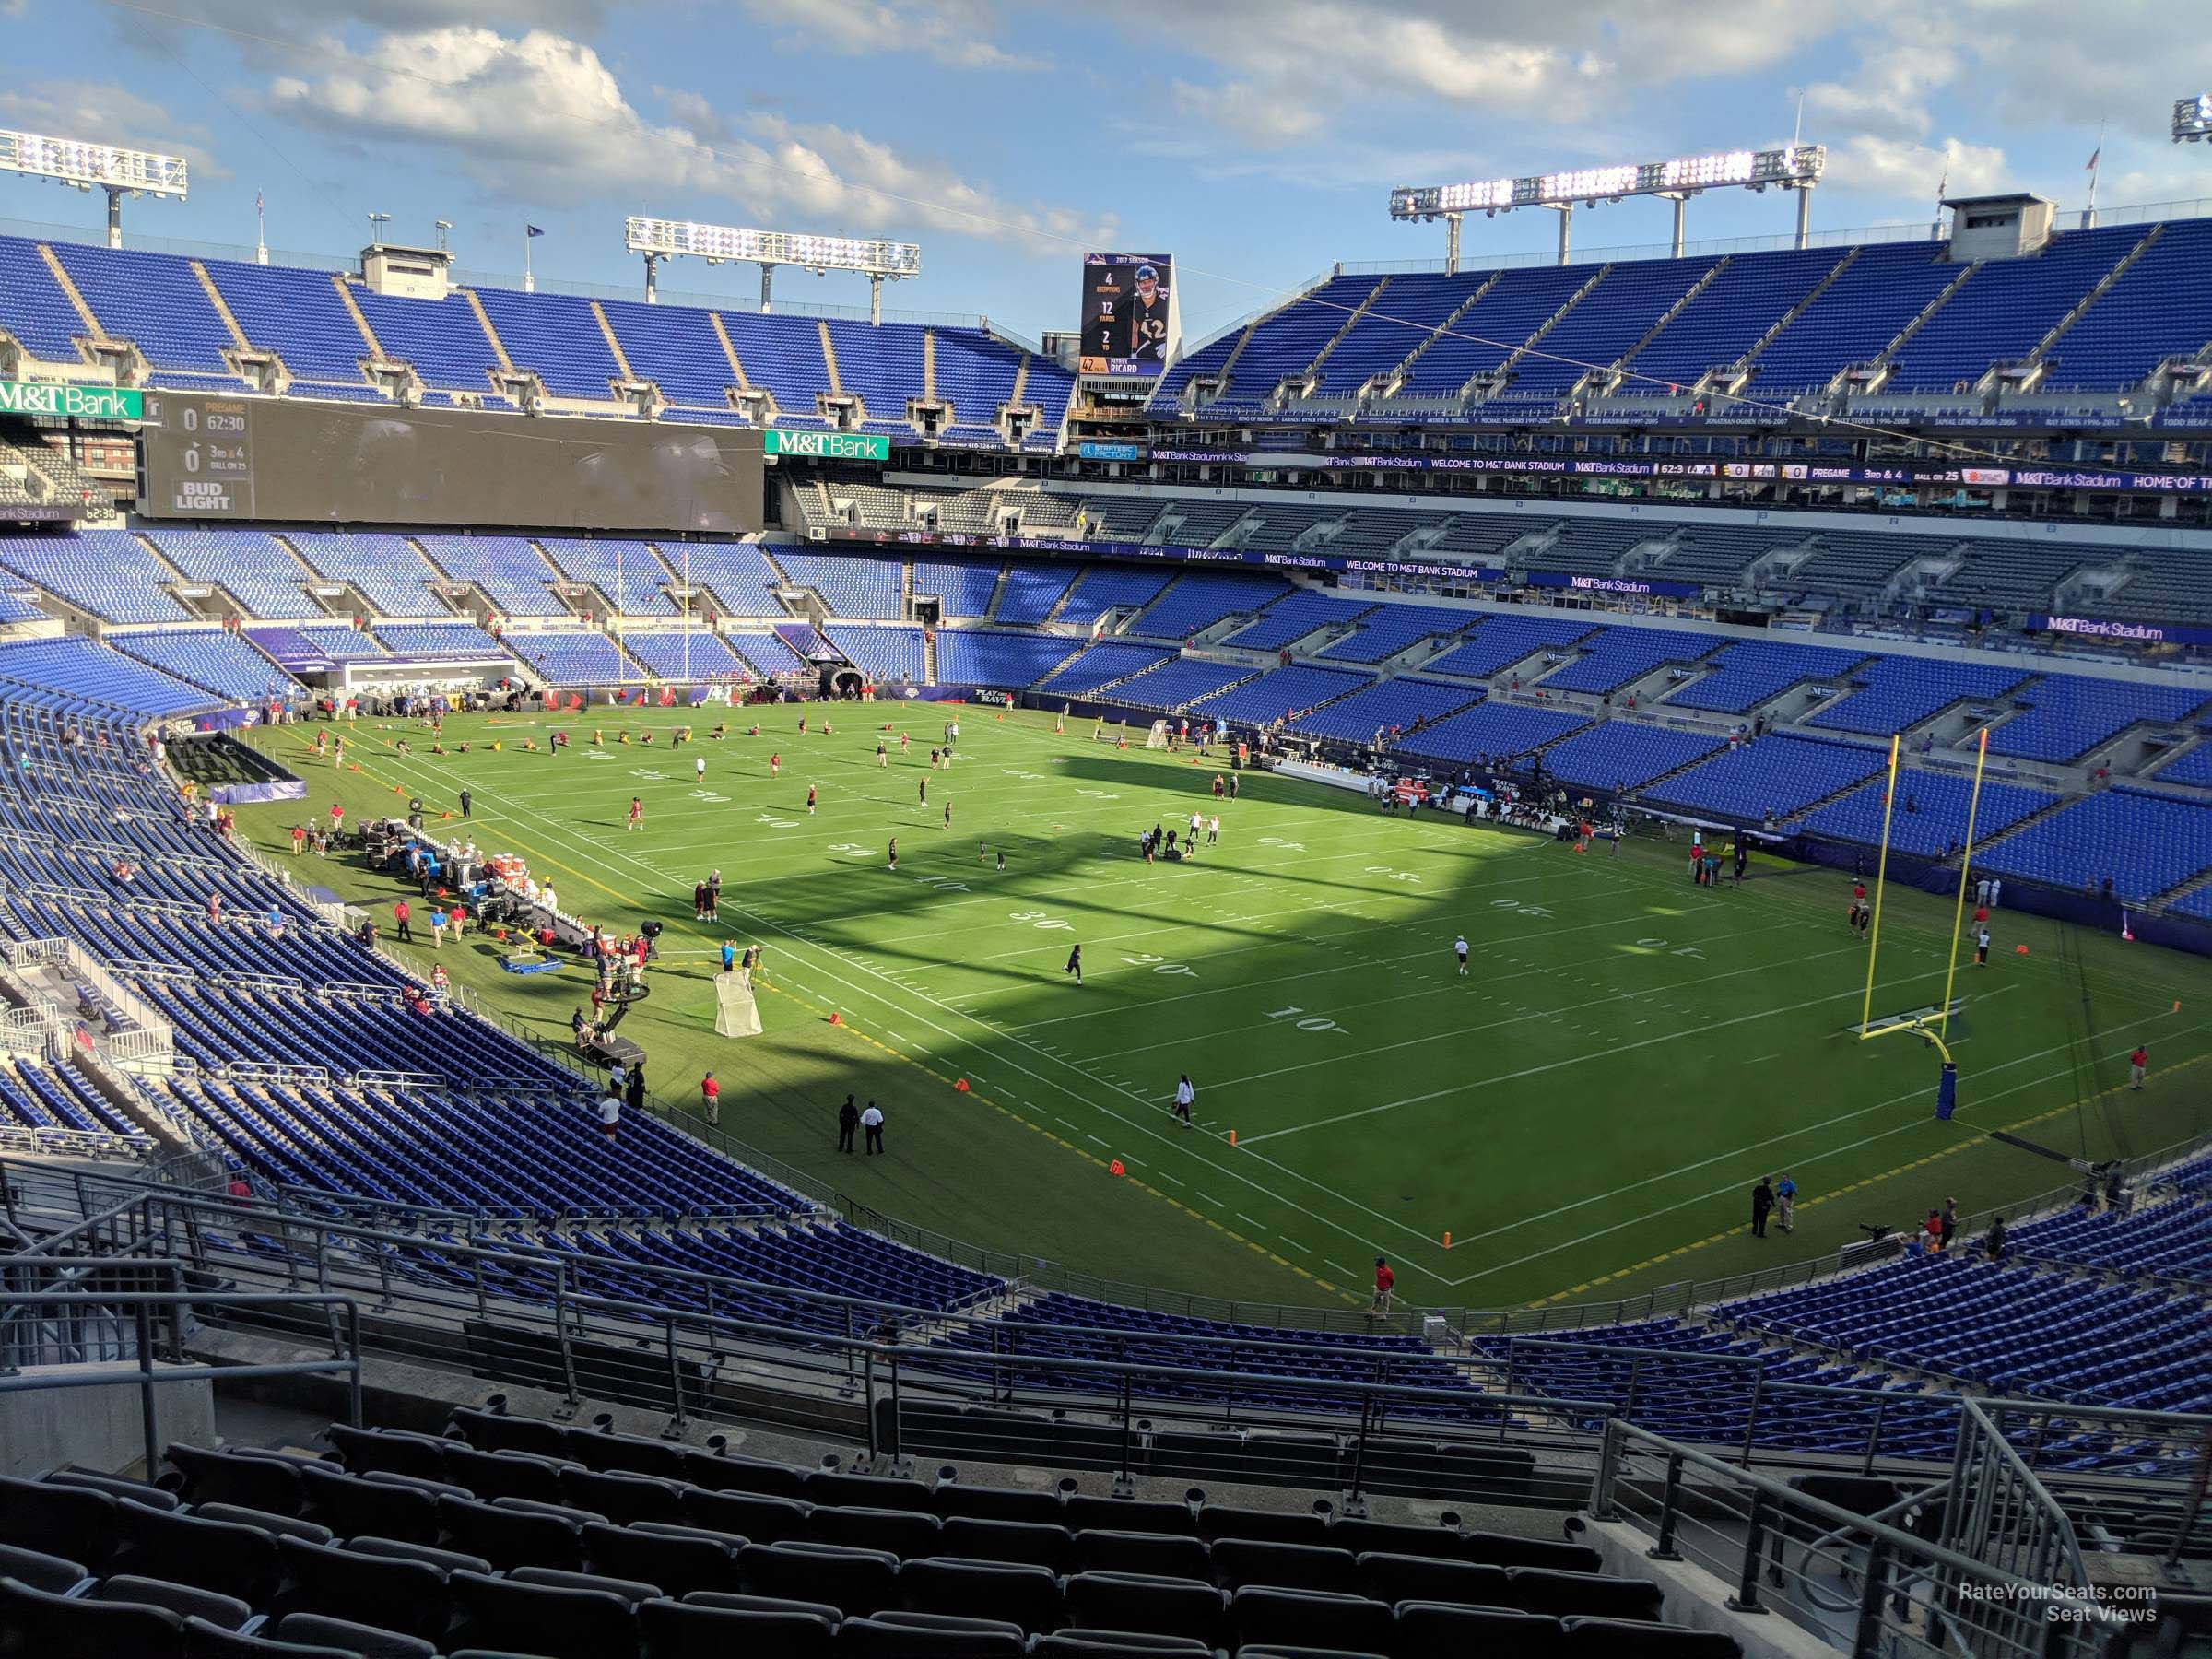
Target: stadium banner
[(218, 458), (1613, 584), (1131, 324), (1156, 553), (1093, 449), (827, 446), (2103, 627), (82, 403)]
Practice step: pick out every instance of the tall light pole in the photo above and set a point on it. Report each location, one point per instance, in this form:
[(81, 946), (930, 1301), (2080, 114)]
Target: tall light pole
[(377, 221)]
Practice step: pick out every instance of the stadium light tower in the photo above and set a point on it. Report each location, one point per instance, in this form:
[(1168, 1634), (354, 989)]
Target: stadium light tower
[(82, 165), (2192, 118), (877, 261), (1795, 167)]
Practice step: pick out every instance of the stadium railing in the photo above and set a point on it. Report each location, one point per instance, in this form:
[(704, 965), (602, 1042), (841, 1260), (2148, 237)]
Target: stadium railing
[(90, 1322), (1858, 1583)]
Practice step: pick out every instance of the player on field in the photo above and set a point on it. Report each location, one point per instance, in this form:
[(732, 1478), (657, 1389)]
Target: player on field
[(699, 769), (1459, 948), (1075, 964), (775, 764), (637, 813), (882, 758), (923, 784), (949, 815), (809, 800), (1185, 1097), (894, 854)]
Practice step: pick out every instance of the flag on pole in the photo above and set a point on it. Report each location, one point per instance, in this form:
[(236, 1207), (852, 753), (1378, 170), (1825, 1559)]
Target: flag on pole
[(257, 201), (2096, 155), (532, 230)]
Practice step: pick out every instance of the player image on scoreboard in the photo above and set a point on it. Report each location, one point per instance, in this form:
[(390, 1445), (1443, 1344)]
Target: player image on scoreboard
[(1131, 325)]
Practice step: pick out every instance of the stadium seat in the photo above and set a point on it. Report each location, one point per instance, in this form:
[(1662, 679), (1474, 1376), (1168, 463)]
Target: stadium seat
[(187, 1601), (1073, 1643), (70, 1521), (263, 1483), (855, 1581), (60, 1627), (678, 1562), (1591, 1638), (1032, 1542), (753, 1516), (1129, 1601), (356, 1507), (1241, 1562), (237, 1560), (930, 1636), (717, 1627), (632, 1591), (409, 1596), (1449, 1630), (312, 1630), (507, 1536), (1581, 1594), (536, 1618), (1030, 1595), (1161, 1555), (1262, 1614)]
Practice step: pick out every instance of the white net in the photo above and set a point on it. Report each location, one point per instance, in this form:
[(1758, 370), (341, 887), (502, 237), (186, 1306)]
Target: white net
[(736, 1012), (1158, 739)]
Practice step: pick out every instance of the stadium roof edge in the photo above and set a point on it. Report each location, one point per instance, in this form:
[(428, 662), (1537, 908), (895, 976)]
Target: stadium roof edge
[(2142, 213), (239, 254)]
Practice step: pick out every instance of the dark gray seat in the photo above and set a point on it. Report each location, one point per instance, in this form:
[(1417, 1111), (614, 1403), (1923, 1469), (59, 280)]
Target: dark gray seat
[(676, 1560), (855, 1581), (718, 1627), (315, 1631), (186, 1601), (1582, 1595), (1030, 1595), (1447, 1630), (1161, 1555), (396, 1451), (1241, 1562), (929, 1636), (366, 1587), (901, 1532), (71, 1522), (995, 1540), (542, 1620), (1264, 1614), (260, 1483), (353, 1507), (235, 1560), (512, 1538), (63, 1626), (1134, 1601), (1631, 1639), (40, 1571)]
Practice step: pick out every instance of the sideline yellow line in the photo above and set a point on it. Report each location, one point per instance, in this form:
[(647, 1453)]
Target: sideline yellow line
[(1143, 1187), (1903, 1168)]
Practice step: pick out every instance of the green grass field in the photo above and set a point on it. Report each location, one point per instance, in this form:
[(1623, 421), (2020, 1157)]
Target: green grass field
[(1584, 1114)]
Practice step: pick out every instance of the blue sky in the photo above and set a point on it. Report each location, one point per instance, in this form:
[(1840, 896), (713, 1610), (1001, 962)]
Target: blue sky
[(1253, 139)]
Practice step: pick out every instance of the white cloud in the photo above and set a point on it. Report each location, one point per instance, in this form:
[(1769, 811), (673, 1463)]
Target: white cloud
[(103, 110), (541, 118), (956, 33), (1263, 121), (319, 20), (1871, 165), (1297, 65)]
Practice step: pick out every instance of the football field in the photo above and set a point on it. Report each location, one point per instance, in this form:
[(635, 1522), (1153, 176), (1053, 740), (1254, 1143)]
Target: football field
[(1583, 1113)]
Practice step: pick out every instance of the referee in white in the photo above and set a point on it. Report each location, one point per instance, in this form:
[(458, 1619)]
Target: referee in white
[(1184, 1096)]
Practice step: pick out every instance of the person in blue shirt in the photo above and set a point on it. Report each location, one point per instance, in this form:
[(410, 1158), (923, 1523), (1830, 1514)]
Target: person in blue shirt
[(1785, 1204), (729, 957)]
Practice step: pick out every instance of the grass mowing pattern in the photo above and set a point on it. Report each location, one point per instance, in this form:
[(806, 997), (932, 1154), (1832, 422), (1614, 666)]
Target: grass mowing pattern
[(1584, 1114)]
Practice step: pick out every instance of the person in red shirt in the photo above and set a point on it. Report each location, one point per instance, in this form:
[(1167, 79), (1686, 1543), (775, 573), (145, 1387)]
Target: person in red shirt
[(1933, 1227), (2137, 1063), (400, 913), (1385, 1281), (710, 1098)]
